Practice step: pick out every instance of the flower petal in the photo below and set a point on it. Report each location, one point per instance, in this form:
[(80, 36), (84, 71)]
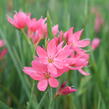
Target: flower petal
[(42, 85), (58, 64), (55, 29), (64, 52), (52, 69), (2, 43), (12, 22), (32, 73), (83, 43), (41, 52), (39, 67), (67, 90), (53, 82), (3, 53), (83, 72), (51, 48), (78, 34)]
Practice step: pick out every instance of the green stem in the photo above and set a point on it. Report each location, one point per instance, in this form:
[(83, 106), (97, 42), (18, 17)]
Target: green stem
[(23, 80), (29, 42), (31, 96), (51, 98), (26, 37), (99, 101), (42, 100)]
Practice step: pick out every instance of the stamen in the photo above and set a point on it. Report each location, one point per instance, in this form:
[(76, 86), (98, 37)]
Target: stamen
[(47, 75), (50, 60)]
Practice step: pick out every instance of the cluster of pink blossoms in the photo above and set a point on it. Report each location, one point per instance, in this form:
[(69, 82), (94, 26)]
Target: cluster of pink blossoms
[(64, 52)]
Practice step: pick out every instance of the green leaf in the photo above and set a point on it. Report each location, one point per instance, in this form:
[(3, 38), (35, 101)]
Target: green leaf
[(85, 81), (4, 106), (49, 26), (16, 64)]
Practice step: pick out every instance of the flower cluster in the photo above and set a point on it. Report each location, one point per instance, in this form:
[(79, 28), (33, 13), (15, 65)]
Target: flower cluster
[(37, 29), (64, 52)]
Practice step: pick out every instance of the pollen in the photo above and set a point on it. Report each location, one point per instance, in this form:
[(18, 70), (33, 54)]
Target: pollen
[(50, 60)]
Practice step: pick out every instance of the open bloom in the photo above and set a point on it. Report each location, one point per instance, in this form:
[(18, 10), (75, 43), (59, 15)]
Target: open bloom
[(39, 72), (32, 24), (65, 90), (55, 57), (79, 60), (37, 25), (95, 43), (74, 39), (37, 29), (19, 20)]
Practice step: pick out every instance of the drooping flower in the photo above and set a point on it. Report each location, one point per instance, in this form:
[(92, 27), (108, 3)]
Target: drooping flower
[(40, 72), (55, 57), (19, 20), (65, 90), (95, 43)]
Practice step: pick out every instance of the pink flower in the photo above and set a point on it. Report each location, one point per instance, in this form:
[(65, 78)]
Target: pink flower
[(74, 39), (68, 33), (3, 53), (35, 37), (55, 57), (39, 72), (55, 30), (37, 29), (42, 26), (99, 21), (37, 25), (79, 60), (65, 90), (59, 38), (2, 43), (19, 20), (95, 43), (32, 24)]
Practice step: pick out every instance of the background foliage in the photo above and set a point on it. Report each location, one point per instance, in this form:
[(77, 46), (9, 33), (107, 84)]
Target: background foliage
[(15, 86)]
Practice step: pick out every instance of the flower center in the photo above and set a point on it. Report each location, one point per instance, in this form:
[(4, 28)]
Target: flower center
[(47, 75), (50, 60)]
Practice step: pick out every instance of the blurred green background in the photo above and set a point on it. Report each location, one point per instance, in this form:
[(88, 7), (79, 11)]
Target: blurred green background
[(15, 86)]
